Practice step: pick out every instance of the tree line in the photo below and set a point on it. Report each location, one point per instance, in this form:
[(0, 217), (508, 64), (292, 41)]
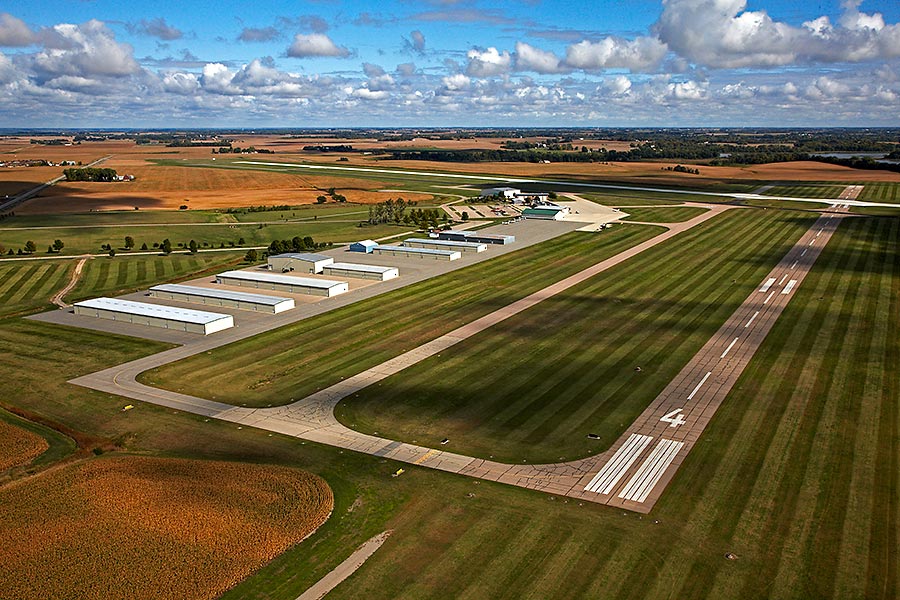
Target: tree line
[(90, 174)]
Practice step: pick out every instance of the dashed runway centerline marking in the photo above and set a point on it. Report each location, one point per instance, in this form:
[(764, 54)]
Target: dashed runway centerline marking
[(699, 385), (730, 346), (751, 320)]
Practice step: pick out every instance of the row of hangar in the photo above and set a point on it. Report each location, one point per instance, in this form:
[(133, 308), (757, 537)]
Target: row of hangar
[(277, 277), (274, 279)]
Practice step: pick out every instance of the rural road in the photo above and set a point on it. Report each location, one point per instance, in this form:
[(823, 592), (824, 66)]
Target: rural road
[(632, 474), (346, 568), (29, 194), (57, 298)]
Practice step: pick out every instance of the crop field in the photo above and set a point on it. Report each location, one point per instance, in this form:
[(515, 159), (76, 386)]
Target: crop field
[(299, 359), (19, 446), (26, 285), (137, 527), (806, 191), (677, 214), (491, 399), (881, 192)]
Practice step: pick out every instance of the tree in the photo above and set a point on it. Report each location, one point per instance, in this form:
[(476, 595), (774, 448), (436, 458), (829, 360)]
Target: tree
[(49, 249), (112, 252), (30, 247), (241, 242), (251, 256), (193, 247), (129, 242), (321, 199), (58, 245), (183, 207), (10, 252), (144, 246), (465, 216), (167, 246)]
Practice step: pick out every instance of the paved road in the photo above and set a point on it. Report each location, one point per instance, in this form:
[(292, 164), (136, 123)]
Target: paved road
[(29, 194)]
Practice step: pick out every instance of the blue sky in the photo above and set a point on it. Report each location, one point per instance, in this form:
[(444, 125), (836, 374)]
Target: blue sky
[(94, 63)]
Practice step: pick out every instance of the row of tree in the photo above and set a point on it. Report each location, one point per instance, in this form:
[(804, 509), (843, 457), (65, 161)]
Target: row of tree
[(90, 174)]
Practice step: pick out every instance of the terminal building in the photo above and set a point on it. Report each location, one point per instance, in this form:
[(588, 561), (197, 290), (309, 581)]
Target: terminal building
[(476, 237), (300, 262), (445, 244), (355, 271), (154, 315), (222, 298), (290, 284), (423, 253)]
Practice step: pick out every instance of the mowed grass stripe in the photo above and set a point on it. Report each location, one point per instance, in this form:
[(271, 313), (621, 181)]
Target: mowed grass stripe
[(301, 358), (510, 392), (19, 277)]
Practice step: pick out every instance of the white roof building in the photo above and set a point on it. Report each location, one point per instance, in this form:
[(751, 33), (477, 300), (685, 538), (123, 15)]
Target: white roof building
[(154, 315)]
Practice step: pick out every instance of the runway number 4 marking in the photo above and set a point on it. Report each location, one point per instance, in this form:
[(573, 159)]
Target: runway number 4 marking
[(674, 418)]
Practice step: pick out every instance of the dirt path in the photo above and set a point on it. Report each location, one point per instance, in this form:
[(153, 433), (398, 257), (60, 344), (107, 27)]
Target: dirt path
[(345, 569), (57, 298)]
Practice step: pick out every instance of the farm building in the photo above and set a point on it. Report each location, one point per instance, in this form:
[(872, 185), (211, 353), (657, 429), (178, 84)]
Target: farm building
[(364, 246), (504, 192), (445, 245), (546, 211), (407, 252), (223, 298), (302, 263), (476, 237), (154, 315), (283, 283), (355, 271)]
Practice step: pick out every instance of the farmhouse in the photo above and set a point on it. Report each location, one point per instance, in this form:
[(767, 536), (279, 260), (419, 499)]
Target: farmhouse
[(223, 298), (154, 315), (445, 245), (364, 246), (355, 271), (427, 253), (303, 263), (507, 193), (290, 284)]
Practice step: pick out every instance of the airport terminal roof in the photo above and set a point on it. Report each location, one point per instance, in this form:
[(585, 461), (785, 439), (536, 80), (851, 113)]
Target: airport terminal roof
[(192, 290), (182, 315)]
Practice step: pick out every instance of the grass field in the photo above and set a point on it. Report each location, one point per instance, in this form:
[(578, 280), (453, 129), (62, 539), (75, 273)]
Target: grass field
[(140, 527), (299, 359), (806, 190), (28, 285), (675, 214), (797, 474), (627, 198), (533, 387), (84, 240), (881, 192)]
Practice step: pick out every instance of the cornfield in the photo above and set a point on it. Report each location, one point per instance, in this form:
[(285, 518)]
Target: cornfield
[(19, 447), (143, 528)]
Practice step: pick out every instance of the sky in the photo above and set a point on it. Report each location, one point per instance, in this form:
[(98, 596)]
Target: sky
[(436, 63)]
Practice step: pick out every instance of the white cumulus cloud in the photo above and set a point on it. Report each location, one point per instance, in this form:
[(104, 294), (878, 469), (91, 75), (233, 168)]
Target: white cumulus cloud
[(640, 54), (529, 58), (487, 63), (315, 44)]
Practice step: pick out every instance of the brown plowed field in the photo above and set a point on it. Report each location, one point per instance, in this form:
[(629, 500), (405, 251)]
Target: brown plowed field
[(145, 528), (19, 447)]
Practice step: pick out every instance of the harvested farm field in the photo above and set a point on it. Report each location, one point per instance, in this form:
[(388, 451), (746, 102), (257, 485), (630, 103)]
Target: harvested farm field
[(19, 447), (145, 528), (168, 187)]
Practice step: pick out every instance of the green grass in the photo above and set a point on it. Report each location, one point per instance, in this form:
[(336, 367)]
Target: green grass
[(806, 190), (676, 214), (533, 387), (90, 239), (881, 192), (106, 276), (29, 285), (797, 473), (294, 361), (787, 204), (876, 211), (628, 198)]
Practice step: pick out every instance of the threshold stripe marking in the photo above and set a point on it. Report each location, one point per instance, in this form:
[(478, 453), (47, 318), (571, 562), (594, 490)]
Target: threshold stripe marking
[(699, 385), (604, 481), (765, 287), (730, 346), (651, 471), (769, 297), (751, 320), (787, 289)]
